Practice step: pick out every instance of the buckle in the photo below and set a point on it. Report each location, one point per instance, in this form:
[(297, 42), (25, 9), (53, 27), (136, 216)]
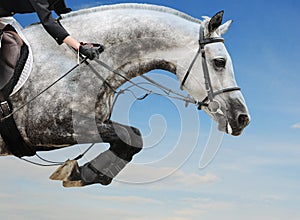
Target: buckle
[(5, 109)]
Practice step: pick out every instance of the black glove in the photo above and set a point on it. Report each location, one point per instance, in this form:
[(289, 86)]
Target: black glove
[(90, 50)]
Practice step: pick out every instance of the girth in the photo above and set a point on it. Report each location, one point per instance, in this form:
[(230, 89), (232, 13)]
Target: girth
[(13, 55)]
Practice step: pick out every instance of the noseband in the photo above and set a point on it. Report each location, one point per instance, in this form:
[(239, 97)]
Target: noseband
[(208, 86)]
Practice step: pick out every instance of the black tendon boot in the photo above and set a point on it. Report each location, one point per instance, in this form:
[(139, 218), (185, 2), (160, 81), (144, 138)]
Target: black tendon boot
[(101, 170)]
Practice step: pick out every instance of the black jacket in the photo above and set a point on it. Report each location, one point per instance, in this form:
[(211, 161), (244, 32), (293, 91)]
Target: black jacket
[(43, 10)]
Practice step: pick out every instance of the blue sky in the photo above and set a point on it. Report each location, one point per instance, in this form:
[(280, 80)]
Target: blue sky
[(254, 176)]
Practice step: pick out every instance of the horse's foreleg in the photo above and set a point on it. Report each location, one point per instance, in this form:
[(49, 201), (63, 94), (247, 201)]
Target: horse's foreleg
[(124, 142)]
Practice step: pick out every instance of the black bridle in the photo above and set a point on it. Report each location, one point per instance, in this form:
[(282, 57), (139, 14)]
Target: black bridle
[(208, 86)]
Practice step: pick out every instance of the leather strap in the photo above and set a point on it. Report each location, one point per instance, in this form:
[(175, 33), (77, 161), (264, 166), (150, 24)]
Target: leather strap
[(10, 132)]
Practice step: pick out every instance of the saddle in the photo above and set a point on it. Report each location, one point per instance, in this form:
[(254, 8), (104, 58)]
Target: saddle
[(13, 56), (10, 51)]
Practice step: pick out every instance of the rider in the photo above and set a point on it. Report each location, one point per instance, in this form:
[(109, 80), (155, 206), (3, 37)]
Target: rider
[(53, 27)]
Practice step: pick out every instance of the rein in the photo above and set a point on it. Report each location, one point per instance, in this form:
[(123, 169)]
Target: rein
[(167, 91)]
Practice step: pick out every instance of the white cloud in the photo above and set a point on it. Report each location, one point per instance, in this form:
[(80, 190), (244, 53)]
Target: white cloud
[(194, 179), (207, 204), (296, 126), (195, 207), (271, 198), (6, 196), (189, 212), (162, 176), (129, 199)]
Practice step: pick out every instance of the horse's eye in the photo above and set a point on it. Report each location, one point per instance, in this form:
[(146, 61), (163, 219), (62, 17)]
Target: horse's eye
[(220, 63)]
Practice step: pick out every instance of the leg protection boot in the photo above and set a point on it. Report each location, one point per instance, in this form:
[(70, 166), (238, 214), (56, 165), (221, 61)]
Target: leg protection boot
[(102, 169)]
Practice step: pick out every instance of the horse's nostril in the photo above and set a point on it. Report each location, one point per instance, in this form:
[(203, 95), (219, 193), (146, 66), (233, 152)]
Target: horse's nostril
[(243, 120)]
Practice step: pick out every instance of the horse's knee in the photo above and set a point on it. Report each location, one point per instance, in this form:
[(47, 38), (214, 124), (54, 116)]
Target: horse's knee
[(130, 136), (122, 134), (129, 142), (136, 139)]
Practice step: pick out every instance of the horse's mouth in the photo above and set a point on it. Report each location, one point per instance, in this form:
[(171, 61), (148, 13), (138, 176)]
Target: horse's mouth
[(232, 132), (225, 126), (228, 127)]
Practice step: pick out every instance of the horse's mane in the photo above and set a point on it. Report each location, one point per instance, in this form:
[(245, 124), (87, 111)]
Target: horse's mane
[(132, 6)]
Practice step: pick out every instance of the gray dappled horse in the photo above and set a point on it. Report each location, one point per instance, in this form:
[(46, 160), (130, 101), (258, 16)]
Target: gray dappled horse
[(138, 39)]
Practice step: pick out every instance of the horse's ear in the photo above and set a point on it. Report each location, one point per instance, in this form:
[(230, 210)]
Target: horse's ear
[(215, 22), (224, 27)]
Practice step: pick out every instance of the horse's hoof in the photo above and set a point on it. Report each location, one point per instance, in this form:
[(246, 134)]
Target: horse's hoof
[(69, 171), (78, 183), (81, 183)]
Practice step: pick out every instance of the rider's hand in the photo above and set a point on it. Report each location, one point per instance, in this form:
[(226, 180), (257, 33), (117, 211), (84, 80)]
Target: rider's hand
[(90, 50)]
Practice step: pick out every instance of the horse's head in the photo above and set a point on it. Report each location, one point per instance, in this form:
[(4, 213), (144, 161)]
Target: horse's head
[(213, 83)]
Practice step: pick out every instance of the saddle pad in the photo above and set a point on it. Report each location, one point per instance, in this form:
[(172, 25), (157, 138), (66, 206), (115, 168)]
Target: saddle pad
[(29, 62)]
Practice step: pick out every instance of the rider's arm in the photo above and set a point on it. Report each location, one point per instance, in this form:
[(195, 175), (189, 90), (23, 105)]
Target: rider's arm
[(72, 42), (59, 33), (48, 22)]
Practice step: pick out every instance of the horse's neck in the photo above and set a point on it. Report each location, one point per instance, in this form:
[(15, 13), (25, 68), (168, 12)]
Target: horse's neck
[(138, 41), (141, 38)]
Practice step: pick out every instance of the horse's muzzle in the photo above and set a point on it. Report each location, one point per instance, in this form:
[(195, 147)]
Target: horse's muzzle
[(242, 121)]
